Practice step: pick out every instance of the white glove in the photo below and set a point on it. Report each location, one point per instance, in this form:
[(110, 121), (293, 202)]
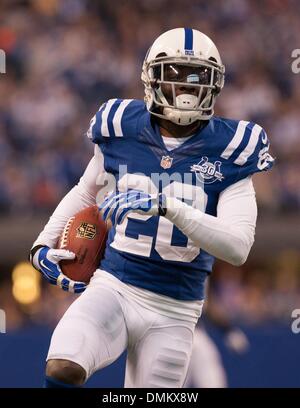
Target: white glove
[(46, 260)]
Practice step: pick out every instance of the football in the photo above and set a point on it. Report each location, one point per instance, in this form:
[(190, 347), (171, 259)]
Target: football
[(85, 234)]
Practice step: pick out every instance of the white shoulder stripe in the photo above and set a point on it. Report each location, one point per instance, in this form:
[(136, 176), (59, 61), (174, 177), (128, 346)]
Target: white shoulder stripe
[(118, 117), (249, 149), (237, 138), (105, 113)]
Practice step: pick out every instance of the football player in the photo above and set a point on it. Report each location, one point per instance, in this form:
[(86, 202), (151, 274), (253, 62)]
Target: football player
[(206, 368), (182, 195)]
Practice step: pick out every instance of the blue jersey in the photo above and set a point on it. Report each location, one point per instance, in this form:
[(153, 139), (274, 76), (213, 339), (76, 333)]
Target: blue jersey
[(150, 252)]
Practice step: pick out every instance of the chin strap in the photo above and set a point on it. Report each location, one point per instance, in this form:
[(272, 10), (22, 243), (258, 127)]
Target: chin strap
[(183, 101), (176, 115)]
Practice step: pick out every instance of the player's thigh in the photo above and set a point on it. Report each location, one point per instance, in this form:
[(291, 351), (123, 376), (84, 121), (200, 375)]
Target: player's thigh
[(92, 332), (161, 358)]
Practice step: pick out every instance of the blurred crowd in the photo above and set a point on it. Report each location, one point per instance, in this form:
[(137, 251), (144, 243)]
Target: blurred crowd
[(253, 294), (259, 291), (64, 58)]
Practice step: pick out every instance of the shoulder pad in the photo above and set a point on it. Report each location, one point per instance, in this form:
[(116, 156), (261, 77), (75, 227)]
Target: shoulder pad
[(248, 148), (115, 118)]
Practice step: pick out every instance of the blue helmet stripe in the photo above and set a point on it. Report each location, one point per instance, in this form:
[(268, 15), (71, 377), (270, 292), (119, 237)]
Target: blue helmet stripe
[(188, 39)]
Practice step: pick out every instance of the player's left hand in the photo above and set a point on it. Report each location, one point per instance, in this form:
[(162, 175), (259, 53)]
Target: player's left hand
[(118, 205)]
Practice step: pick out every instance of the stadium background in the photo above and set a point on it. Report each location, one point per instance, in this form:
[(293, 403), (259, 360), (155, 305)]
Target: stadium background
[(64, 58)]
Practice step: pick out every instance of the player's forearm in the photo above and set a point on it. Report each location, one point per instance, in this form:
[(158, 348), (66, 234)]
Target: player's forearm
[(81, 196), (74, 201), (218, 237)]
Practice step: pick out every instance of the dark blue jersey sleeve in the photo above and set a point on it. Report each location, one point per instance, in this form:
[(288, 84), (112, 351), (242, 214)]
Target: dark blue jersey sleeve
[(256, 156), (116, 118), (247, 150)]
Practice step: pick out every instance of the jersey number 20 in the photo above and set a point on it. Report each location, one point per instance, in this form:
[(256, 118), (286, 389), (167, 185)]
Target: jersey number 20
[(161, 242)]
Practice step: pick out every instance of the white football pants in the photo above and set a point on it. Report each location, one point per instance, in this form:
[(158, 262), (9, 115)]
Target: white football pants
[(102, 323)]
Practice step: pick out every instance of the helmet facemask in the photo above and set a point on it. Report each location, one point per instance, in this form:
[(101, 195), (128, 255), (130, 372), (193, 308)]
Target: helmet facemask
[(202, 80)]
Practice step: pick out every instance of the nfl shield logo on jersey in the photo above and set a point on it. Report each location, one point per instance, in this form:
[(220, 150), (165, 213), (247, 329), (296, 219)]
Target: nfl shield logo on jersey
[(166, 162), (207, 172)]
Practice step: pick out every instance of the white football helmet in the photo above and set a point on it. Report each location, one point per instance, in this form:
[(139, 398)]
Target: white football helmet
[(183, 59)]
